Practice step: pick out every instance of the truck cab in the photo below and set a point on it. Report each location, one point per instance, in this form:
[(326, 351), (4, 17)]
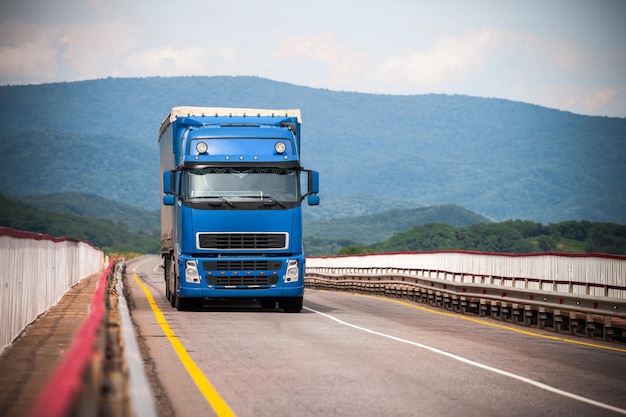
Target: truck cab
[(231, 219)]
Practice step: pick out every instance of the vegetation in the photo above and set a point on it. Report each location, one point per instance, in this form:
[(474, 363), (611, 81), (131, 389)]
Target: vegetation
[(446, 227), (371, 228), (379, 157), (513, 236), (315, 246), (505, 159), (106, 234), (124, 215)]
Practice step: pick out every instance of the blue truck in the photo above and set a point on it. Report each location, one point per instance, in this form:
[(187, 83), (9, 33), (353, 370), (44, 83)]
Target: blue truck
[(231, 219)]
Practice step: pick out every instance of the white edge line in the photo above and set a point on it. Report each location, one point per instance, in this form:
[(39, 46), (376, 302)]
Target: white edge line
[(478, 365)]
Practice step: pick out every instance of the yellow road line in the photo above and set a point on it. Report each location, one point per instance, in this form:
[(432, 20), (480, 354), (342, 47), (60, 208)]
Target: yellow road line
[(499, 326), (204, 385)]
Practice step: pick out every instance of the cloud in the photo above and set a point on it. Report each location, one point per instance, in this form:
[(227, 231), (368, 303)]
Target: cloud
[(570, 61), (97, 50), (578, 99), (560, 74), (600, 98), (343, 62), (451, 60), (173, 61), (47, 52), (558, 55), (29, 53)]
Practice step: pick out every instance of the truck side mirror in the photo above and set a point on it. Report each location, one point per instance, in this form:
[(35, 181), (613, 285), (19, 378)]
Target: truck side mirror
[(167, 182), (314, 200), (168, 200), (314, 182)]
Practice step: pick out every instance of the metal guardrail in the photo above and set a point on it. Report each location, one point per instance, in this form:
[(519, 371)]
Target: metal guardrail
[(516, 300), (579, 294), (588, 274)]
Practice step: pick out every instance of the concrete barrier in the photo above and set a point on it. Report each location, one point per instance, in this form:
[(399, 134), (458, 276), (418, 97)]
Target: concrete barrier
[(35, 271)]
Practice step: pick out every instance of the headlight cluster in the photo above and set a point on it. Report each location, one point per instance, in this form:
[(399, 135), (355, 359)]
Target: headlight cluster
[(191, 271), (293, 272)]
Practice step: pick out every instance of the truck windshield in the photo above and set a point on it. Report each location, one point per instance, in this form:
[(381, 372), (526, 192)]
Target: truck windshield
[(235, 184)]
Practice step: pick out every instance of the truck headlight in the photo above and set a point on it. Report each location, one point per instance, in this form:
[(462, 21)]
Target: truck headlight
[(191, 271), (280, 147), (201, 147), (292, 274)]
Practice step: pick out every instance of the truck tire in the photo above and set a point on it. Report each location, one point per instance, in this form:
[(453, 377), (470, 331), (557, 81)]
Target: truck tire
[(185, 304), (173, 294), (291, 304), (166, 275)]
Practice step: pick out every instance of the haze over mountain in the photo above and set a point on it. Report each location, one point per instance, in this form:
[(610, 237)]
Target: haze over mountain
[(503, 159)]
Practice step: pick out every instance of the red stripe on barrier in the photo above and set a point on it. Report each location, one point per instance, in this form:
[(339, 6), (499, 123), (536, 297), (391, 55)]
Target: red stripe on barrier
[(469, 252), (65, 384)]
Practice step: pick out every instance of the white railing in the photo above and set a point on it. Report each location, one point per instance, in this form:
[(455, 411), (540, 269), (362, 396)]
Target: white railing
[(35, 272), (593, 275)]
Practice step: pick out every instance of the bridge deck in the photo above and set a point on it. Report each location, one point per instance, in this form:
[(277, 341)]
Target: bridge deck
[(30, 360)]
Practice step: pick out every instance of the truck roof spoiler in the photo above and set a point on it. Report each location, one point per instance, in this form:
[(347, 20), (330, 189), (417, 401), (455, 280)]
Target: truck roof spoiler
[(224, 111)]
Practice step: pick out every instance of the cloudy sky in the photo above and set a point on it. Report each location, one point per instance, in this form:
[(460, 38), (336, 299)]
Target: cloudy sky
[(564, 54)]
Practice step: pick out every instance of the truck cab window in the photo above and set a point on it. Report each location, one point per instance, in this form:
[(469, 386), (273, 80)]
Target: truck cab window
[(243, 184)]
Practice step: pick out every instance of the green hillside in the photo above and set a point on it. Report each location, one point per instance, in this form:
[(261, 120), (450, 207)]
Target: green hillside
[(105, 234), (512, 236), (504, 159), (421, 229), (126, 216), (380, 226), (72, 214)]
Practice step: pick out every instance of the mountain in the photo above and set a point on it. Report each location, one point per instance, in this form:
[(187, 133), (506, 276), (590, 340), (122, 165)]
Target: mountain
[(429, 228), (356, 204), (126, 216), (377, 227), (511, 236), (103, 233), (119, 227), (503, 159)]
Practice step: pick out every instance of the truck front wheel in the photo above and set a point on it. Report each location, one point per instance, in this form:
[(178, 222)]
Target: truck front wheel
[(173, 294), (187, 304), (291, 304)]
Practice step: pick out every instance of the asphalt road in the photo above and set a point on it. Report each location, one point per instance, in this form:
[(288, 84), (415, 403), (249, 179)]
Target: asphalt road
[(355, 355)]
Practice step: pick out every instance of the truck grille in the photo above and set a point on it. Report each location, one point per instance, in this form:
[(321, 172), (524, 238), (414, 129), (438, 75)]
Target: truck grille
[(242, 265), (247, 281), (228, 241)]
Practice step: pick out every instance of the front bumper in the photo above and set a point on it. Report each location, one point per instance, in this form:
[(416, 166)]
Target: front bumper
[(241, 277)]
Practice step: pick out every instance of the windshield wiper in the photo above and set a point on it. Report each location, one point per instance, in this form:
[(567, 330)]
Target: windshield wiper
[(274, 200), (223, 200), (226, 201), (263, 197)]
